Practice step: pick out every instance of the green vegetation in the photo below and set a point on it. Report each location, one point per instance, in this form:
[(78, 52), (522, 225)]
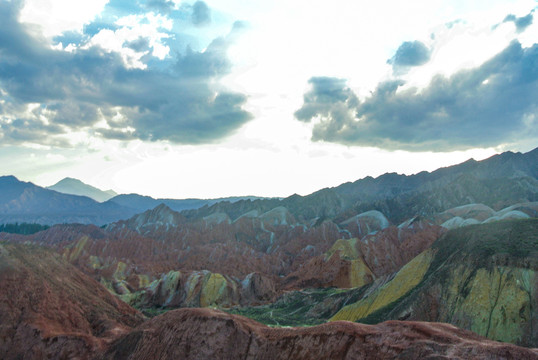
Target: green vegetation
[(515, 238), (22, 228), (301, 308), (152, 312), (475, 246), (477, 243)]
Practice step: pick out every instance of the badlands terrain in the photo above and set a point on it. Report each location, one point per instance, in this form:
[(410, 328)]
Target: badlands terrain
[(433, 265)]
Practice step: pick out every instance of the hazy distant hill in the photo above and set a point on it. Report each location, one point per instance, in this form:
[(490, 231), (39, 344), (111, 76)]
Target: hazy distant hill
[(497, 182), (25, 202), (142, 203), (77, 187)]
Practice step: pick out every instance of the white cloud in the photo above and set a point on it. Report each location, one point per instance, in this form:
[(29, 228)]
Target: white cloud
[(286, 43), (57, 16), (135, 28)]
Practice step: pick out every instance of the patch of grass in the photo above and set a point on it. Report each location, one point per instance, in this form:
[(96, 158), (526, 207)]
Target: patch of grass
[(301, 308), (515, 238)]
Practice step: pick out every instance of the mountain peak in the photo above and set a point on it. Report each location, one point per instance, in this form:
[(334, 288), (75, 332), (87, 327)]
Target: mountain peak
[(162, 208), (9, 179), (74, 186), (69, 180)]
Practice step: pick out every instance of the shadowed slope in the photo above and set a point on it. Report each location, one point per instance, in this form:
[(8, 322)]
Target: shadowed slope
[(212, 334), (481, 277)]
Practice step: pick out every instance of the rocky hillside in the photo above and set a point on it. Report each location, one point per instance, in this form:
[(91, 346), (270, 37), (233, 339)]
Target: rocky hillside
[(212, 334), (49, 309), (162, 259), (497, 182), (481, 277)]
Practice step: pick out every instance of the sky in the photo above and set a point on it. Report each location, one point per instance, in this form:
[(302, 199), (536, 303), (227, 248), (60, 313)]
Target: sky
[(206, 99)]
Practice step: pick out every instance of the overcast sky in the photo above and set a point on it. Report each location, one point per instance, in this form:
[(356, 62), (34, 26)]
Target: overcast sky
[(227, 97)]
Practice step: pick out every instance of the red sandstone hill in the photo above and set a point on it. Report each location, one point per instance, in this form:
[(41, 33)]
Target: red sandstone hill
[(211, 334), (129, 255), (49, 309)]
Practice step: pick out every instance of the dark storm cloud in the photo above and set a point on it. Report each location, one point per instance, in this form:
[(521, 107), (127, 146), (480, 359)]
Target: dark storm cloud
[(29, 129), (521, 22), (486, 106), (76, 90), (201, 15), (327, 98), (409, 54)]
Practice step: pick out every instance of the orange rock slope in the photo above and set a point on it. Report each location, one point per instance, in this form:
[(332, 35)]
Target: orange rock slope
[(49, 309)]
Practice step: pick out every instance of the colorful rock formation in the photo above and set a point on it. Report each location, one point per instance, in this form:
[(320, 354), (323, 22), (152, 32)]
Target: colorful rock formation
[(49, 309), (483, 278)]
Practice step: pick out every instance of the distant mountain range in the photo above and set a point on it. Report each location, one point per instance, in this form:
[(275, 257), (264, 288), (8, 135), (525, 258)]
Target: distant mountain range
[(72, 201), (141, 203), (138, 203), (497, 182), (25, 202)]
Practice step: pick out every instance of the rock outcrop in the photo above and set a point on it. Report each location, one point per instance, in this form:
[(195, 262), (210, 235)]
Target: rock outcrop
[(211, 334), (49, 309), (199, 289), (473, 214), (483, 278), (358, 262)]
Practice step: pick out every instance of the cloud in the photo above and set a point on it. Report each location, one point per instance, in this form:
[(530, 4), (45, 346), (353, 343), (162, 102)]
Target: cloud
[(329, 98), (162, 6), (47, 94), (521, 22), (201, 15), (486, 106), (409, 54)]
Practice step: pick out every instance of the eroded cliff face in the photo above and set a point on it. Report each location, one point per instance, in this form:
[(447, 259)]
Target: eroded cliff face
[(482, 278), (49, 309), (357, 262), (498, 303), (163, 260), (201, 289), (212, 258), (212, 334)]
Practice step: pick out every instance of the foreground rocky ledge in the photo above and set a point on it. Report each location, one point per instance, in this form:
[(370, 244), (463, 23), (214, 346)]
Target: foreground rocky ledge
[(213, 334)]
